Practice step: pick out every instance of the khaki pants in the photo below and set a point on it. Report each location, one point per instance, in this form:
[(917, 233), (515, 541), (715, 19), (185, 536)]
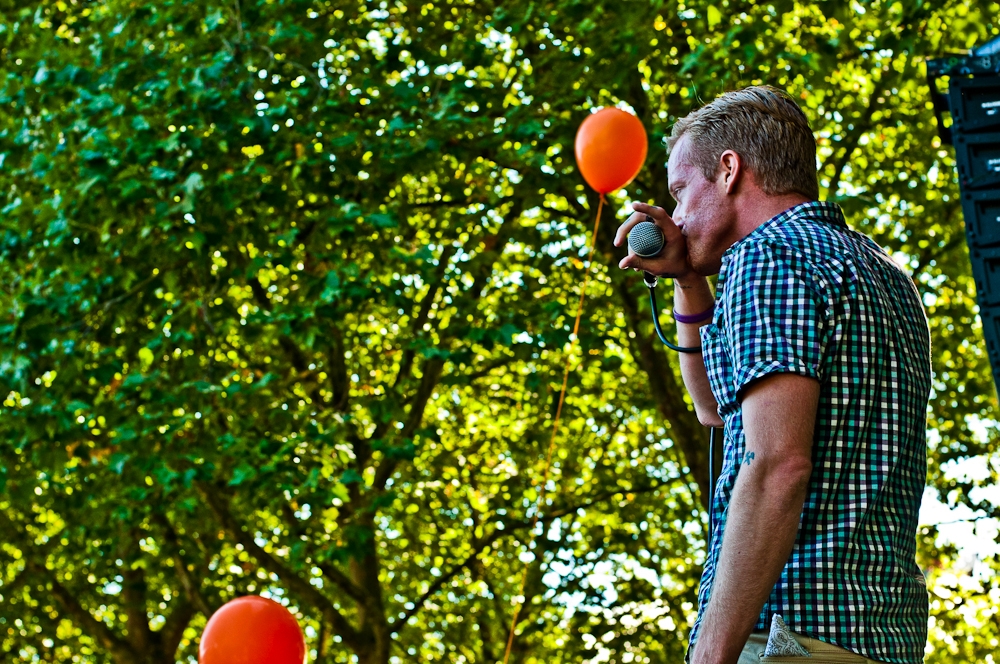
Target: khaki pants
[(819, 651)]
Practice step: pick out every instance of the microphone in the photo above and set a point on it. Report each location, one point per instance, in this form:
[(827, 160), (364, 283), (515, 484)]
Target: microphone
[(646, 239)]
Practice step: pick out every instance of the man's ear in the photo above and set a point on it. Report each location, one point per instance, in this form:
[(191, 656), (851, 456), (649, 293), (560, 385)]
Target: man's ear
[(730, 170)]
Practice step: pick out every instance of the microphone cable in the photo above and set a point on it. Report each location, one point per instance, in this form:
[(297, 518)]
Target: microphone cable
[(650, 281), (646, 240)]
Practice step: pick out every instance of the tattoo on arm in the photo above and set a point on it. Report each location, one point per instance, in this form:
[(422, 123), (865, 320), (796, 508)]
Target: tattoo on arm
[(747, 458)]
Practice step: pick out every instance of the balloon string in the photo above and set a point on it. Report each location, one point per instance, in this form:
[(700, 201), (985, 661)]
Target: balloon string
[(555, 428)]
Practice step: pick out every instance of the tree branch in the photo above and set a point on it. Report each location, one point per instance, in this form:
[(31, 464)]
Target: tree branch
[(482, 618), (120, 650), (444, 203), (329, 571), (495, 246), (510, 526), (134, 596), (19, 580), (173, 628), (423, 312), (34, 565), (343, 582), (220, 510), (850, 143), (340, 384), (864, 119), (932, 253), (445, 578), (432, 374), (557, 513), (103, 307), (191, 586), (489, 367)]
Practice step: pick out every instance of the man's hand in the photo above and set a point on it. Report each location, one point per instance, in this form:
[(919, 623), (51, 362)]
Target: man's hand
[(672, 261), (692, 295)]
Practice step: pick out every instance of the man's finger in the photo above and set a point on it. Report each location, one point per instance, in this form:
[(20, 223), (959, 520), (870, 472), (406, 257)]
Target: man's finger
[(660, 217), (627, 227), (634, 262), (652, 210)]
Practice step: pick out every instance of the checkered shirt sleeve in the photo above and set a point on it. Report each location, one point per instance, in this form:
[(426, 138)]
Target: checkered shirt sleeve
[(775, 325)]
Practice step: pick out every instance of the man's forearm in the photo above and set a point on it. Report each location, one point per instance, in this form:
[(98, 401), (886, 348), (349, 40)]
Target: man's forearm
[(762, 523), (692, 295)]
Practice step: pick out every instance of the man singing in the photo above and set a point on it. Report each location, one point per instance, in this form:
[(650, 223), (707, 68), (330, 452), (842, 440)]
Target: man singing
[(816, 360)]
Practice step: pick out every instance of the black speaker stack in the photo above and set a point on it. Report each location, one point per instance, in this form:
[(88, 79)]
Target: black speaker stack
[(973, 100)]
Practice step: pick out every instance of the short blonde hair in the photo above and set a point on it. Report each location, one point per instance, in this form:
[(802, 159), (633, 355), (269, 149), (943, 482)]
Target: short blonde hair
[(766, 128)]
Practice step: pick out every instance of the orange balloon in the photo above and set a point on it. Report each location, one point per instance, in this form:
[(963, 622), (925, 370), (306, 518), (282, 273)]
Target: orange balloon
[(610, 149), (252, 630)]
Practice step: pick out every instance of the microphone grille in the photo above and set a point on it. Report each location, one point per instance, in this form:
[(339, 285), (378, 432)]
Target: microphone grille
[(646, 239)]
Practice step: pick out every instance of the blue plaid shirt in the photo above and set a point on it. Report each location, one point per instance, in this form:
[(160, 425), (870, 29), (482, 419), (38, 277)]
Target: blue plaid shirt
[(804, 294)]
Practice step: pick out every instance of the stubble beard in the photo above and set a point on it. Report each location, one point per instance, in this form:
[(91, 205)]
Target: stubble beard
[(706, 249), (703, 262)]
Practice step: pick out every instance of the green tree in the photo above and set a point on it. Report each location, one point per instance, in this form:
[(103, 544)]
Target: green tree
[(290, 288)]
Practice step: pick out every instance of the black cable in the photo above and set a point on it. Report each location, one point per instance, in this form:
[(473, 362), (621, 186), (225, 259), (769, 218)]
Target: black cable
[(650, 282), (711, 481)]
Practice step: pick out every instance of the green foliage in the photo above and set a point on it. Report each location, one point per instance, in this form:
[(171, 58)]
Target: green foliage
[(290, 288)]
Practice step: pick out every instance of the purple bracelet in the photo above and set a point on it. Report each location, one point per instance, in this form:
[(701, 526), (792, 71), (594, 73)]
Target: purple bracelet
[(694, 318)]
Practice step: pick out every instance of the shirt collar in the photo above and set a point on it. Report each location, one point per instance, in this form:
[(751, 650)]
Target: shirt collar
[(817, 210)]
